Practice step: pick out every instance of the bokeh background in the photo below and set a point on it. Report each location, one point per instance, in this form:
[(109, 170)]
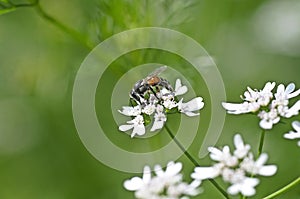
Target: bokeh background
[(42, 47)]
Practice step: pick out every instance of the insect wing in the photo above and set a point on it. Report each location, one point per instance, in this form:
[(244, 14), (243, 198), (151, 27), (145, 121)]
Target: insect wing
[(156, 72)]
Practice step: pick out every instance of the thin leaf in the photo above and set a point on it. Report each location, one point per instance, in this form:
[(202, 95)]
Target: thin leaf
[(7, 10), (147, 119)]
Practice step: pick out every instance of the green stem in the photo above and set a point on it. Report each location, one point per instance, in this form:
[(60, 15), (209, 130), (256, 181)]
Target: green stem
[(73, 33), (193, 160), (23, 4), (188, 155), (261, 142), (283, 189)]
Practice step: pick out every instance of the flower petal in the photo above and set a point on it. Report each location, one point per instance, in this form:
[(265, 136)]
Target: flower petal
[(268, 170), (157, 125), (202, 173), (125, 127), (296, 125), (262, 159), (294, 110), (139, 130), (173, 168), (266, 124), (146, 174), (179, 89), (133, 184), (234, 189)]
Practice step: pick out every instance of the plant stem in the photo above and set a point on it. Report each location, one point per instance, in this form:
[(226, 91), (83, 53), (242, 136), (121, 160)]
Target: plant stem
[(73, 33), (190, 157), (261, 142), (23, 4), (283, 189)]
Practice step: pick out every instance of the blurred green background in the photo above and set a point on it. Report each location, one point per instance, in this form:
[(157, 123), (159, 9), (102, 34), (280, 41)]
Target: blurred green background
[(41, 155)]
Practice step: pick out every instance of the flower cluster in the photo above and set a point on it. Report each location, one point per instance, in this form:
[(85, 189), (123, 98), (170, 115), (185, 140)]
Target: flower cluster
[(268, 106), (292, 134), (166, 184), (238, 168), (159, 103)]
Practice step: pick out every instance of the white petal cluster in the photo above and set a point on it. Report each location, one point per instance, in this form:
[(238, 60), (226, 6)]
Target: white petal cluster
[(268, 106), (294, 134), (237, 168), (158, 104), (166, 184)]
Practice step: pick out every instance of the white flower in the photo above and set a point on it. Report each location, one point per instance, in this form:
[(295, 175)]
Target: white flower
[(284, 94), (169, 104), (233, 175), (158, 102), (265, 95), (281, 100), (258, 167), (137, 124), (268, 118), (131, 111), (250, 95), (241, 149), (245, 107), (165, 185), (245, 187), (179, 89), (168, 101), (223, 156), (253, 100), (159, 121), (270, 107), (190, 107), (137, 183), (202, 173), (237, 169), (292, 134), (294, 110), (261, 97), (149, 109)]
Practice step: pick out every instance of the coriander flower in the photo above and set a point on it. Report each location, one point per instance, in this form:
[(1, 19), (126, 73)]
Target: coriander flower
[(166, 184), (137, 124), (257, 167), (154, 104), (238, 169), (268, 118), (223, 156), (269, 107), (179, 88), (131, 111), (244, 186), (159, 119), (190, 107), (149, 109), (241, 149), (292, 134)]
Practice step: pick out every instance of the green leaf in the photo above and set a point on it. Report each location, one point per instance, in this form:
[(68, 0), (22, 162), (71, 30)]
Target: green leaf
[(171, 111), (7, 10), (147, 119), (132, 102), (4, 1)]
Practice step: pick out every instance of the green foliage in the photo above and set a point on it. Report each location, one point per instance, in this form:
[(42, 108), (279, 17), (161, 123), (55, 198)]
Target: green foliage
[(41, 155), (7, 10)]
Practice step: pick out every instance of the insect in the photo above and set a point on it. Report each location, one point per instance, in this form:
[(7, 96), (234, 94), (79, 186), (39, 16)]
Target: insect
[(152, 83)]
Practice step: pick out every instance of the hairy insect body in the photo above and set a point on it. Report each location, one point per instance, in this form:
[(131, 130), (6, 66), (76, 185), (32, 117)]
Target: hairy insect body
[(151, 84)]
